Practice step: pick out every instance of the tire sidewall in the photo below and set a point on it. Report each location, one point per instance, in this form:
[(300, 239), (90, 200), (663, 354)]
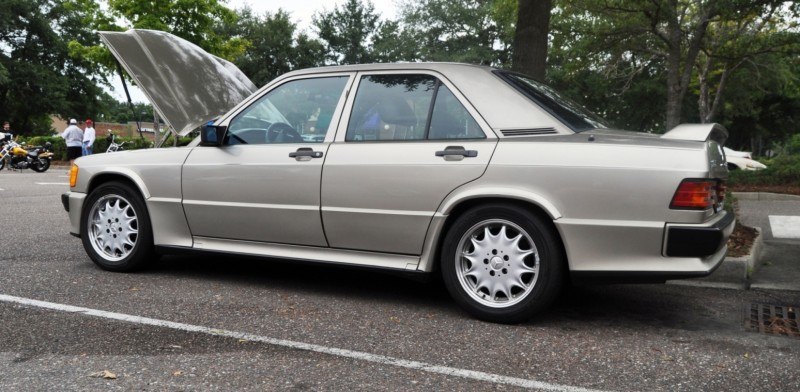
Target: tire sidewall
[(142, 250), (548, 283), (45, 164)]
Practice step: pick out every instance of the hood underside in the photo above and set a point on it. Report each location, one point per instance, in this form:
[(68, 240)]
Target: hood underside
[(186, 85)]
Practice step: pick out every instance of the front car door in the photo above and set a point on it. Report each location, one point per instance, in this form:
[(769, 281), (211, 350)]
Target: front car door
[(263, 184), (411, 138)]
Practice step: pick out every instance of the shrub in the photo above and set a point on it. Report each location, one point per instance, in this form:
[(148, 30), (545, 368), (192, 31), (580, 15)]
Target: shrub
[(781, 170)]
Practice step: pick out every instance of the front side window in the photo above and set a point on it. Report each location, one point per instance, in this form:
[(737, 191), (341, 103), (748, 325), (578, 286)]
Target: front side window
[(299, 111)]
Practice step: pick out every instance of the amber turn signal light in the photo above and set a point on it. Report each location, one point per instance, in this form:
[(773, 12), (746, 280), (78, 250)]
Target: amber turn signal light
[(73, 175)]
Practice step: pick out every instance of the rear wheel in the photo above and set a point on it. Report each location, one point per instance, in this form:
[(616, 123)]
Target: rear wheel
[(502, 263), (115, 228), (2, 163)]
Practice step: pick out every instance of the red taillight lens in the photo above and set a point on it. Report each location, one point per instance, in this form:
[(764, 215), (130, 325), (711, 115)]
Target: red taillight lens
[(694, 194)]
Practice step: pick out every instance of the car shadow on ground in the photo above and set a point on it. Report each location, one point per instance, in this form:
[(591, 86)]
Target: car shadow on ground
[(648, 305)]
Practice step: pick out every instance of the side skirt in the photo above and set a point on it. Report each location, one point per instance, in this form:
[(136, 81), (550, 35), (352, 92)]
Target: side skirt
[(399, 264)]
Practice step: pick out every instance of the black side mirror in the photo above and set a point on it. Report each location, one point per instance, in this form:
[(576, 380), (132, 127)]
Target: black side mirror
[(212, 135)]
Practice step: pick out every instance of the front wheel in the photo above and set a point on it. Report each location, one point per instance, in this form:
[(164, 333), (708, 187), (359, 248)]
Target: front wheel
[(502, 263), (115, 228), (2, 163), (41, 165)]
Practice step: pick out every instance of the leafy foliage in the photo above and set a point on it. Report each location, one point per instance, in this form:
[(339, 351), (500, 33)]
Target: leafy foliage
[(38, 77), (274, 45), (470, 31), (355, 34)]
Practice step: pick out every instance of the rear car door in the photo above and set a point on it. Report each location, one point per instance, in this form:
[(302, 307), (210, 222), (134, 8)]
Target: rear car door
[(263, 183), (411, 138)]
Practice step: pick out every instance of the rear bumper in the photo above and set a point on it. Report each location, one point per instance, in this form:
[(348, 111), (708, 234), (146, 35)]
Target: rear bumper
[(698, 240), (686, 251)]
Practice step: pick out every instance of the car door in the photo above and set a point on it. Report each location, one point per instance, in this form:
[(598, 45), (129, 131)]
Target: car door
[(263, 183), (410, 139)]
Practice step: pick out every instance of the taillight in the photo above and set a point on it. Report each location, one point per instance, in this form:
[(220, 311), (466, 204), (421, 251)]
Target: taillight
[(694, 194)]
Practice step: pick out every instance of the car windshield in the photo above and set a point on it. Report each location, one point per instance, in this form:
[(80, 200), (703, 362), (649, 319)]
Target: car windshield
[(575, 116)]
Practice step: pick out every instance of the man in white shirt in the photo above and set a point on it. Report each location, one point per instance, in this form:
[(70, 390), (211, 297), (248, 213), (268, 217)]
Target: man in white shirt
[(6, 130), (88, 137), (74, 138)]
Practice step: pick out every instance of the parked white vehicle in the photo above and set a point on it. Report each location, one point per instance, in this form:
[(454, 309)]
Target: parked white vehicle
[(741, 160)]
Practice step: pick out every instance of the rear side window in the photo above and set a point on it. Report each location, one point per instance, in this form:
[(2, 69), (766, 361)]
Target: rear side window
[(451, 120), (575, 116), (408, 107)]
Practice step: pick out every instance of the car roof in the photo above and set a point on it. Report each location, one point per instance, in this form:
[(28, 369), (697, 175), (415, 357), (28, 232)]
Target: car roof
[(443, 67)]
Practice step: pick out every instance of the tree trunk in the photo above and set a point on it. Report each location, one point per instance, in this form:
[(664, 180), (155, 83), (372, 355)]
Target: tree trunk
[(678, 78), (530, 39)]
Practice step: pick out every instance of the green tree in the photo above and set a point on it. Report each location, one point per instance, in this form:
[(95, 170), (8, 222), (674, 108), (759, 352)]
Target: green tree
[(349, 31), (737, 43), (621, 34), (470, 31), (274, 47), (38, 77), (196, 21)]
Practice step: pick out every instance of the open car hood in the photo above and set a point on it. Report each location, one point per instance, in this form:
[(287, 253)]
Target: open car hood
[(186, 85)]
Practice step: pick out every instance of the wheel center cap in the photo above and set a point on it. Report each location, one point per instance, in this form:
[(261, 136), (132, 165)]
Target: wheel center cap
[(496, 262)]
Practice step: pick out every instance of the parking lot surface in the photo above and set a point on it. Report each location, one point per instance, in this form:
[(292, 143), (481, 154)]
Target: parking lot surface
[(223, 323)]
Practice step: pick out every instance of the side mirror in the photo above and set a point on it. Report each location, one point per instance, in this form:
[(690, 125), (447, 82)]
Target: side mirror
[(212, 135)]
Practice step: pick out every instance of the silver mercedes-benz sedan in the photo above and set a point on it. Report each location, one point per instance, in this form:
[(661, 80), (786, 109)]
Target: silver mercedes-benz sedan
[(491, 179)]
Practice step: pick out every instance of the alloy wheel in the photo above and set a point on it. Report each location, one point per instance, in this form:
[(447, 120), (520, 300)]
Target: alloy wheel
[(497, 263)]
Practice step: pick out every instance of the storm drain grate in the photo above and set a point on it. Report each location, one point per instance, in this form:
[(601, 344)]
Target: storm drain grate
[(772, 319)]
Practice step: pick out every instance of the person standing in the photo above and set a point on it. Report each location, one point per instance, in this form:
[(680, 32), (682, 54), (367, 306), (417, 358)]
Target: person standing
[(88, 137), (74, 138), (6, 130)]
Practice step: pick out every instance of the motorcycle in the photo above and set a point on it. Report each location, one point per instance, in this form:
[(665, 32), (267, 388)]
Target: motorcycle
[(112, 145), (17, 157)]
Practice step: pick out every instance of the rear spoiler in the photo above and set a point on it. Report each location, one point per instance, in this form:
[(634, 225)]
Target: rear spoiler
[(698, 133)]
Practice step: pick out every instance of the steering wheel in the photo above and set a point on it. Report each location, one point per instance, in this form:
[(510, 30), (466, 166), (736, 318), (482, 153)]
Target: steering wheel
[(280, 132)]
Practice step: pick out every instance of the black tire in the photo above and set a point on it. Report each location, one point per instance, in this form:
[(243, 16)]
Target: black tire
[(545, 284), (2, 164), (142, 251), (42, 166)]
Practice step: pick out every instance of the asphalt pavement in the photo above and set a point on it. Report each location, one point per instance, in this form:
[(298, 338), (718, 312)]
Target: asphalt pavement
[(223, 323), (778, 266)]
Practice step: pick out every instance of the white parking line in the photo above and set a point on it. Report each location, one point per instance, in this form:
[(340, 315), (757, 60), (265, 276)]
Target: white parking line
[(52, 183), (358, 355), (785, 226)]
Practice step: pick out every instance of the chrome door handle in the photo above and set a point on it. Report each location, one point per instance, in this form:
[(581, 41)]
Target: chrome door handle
[(457, 151)]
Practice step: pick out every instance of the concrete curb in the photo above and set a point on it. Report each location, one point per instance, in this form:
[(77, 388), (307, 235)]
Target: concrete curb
[(764, 196), (733, 273)]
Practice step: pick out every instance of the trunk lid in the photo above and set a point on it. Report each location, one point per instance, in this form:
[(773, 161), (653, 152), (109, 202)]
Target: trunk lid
[(186, 85)]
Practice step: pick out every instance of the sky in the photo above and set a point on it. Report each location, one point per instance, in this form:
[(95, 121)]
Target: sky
[(300, 11)]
